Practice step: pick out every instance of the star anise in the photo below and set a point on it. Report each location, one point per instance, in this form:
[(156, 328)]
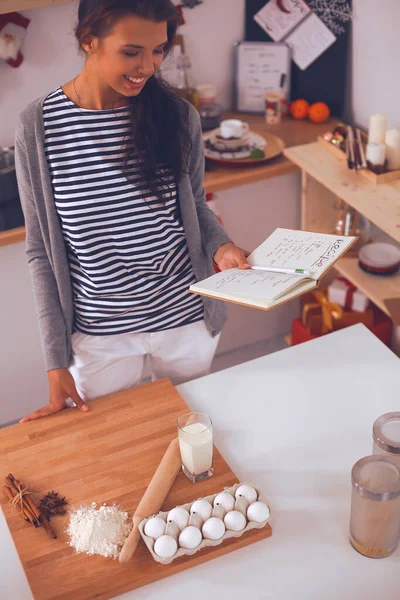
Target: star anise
[(52, 504)]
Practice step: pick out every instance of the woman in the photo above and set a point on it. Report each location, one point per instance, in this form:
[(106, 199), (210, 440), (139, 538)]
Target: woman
[(110, 173)]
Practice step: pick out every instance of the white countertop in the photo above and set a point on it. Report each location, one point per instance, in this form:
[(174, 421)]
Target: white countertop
[(293, 423)]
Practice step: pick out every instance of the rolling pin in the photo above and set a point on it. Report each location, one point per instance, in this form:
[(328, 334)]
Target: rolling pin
[(153, 497)]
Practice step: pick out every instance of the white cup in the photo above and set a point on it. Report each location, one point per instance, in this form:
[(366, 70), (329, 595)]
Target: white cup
[(233, 128)]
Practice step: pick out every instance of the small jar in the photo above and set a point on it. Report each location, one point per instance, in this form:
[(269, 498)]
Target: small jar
[(210, 116), (210, 112), (375, 507), (386, 436)]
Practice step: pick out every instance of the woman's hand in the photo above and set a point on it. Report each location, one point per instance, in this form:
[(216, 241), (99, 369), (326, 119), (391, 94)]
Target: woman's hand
[(228, 256), (61, 387)]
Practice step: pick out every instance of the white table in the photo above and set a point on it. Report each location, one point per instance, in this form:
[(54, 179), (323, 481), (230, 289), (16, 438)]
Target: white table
[(294, 423)]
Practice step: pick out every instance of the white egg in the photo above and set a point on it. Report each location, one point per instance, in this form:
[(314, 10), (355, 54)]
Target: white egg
[(165, 546), (226, 500), (248, 492), (203, 508), (235, 521), (258, 512), (190, 538), (213, 529), (155, 527), (180, 516)]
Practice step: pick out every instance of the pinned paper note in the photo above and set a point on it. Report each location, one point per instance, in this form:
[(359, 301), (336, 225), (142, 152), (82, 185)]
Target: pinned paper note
[(309, 40), (299, 28), (278, 24)]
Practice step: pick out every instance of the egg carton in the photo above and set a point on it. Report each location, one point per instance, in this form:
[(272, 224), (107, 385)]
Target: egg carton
[(205, 543)]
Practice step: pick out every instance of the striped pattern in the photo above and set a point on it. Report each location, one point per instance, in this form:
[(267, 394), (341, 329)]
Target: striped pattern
[(127, 252)]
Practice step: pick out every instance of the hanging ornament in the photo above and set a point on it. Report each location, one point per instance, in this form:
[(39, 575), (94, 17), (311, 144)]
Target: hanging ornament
[(333, 13), (191, 3), (13, 28)]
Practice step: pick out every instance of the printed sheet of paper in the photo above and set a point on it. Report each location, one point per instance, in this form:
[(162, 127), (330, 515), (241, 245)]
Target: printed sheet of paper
[(309, 41), (277, 23), (291, 249)]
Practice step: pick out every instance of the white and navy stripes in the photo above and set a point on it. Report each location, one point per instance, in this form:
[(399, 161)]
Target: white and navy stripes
[(127, 252)]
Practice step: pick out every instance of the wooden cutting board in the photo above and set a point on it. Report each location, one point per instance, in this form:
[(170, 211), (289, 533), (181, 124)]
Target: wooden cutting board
[(106, 456)]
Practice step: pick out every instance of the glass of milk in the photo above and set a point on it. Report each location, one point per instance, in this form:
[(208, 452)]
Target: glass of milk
[(196, 445)]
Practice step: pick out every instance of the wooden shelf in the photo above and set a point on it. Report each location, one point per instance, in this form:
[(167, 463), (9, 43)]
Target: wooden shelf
[(379, 203), (7, 6), (12, 236), (376, 287)]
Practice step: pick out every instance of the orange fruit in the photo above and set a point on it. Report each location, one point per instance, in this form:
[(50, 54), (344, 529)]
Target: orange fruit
[(299, 109), (319, 112)]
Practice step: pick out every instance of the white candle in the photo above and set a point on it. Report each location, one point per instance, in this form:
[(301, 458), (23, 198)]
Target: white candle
[(377, 129), (376, 154), (393, 149), (196, 446)]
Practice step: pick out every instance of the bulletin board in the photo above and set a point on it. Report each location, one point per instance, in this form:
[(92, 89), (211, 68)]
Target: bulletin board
[(325, 80)]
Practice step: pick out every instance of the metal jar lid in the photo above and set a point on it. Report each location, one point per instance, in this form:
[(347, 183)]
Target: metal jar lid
[(386, 432), (376, 478)]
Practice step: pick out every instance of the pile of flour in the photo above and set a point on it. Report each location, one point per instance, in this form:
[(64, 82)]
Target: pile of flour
[(98, 530)]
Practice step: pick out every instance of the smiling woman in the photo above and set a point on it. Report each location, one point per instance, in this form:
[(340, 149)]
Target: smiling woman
[(110, 171)]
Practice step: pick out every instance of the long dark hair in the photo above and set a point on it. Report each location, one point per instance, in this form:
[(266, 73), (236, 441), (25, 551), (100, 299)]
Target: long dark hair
[(158, 117)]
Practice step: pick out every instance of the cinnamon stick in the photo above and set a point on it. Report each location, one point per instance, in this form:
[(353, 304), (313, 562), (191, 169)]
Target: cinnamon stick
[(15, 492), (23, 512), (50, 531), (41, 518), (28, 499)]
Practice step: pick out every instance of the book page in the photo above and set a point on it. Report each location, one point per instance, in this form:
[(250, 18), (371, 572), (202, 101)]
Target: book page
[(290, 249), (249, 284), (305, 285)]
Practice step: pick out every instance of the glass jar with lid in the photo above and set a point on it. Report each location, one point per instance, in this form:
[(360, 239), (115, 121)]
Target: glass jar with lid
[(375, 506), (386, 436)]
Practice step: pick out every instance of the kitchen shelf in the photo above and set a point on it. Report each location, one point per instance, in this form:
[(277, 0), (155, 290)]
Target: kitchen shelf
[(325, 178), (376, 287), (12, 236), (7, 6), (378, 203)]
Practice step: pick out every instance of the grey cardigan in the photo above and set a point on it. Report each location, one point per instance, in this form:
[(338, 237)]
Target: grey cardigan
[(45, 246)]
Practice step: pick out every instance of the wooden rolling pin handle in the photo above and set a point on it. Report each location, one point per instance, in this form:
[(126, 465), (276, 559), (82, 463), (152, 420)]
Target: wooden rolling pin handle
[(153, 497), (131, 543)]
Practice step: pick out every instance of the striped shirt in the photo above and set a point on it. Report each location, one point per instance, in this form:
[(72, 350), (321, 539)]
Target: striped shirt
[(128, 256)]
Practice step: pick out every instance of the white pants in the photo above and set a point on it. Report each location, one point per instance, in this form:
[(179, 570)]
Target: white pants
[(107, 364)]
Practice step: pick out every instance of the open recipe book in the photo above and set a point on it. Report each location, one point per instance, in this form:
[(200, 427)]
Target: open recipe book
[(287, 249)]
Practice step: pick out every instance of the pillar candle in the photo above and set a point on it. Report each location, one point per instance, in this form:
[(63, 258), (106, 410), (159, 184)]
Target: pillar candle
[(376, 154), (377, 129), (393, 149)]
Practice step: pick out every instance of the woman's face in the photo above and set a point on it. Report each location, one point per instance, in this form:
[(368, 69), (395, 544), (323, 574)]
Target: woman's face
[(130, 54)]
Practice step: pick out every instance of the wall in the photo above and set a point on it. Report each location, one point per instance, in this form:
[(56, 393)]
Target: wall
[(374, 80), (249, 213)]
